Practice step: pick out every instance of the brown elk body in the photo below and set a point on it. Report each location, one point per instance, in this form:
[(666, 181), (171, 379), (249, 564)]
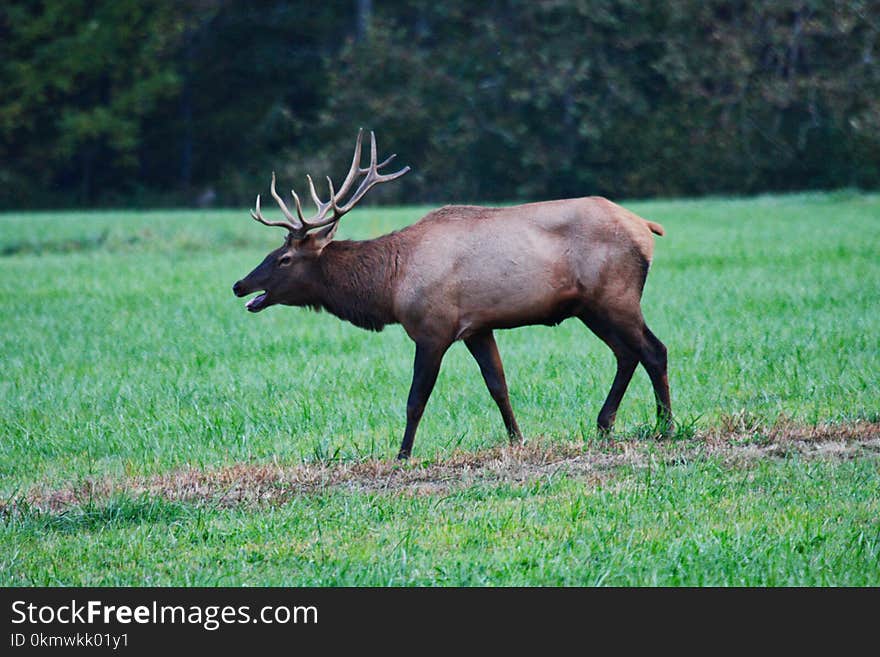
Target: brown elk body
[(463, 271)]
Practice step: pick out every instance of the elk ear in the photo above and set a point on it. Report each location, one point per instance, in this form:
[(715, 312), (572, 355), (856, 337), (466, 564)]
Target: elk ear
[(324, 236)]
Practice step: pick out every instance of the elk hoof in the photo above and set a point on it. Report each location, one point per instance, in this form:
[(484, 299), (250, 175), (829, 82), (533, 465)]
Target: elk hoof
[(604, 425), (402, 456), (667, 428)]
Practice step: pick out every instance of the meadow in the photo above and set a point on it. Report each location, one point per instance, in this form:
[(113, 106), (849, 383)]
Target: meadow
[(126, 359)]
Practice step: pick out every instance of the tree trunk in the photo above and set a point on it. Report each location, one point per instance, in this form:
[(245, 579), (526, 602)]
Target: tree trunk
[(186, 119), (364, 9)]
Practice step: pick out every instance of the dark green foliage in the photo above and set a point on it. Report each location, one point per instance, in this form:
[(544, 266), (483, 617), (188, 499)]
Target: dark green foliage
[(80, 81), (111, 102)]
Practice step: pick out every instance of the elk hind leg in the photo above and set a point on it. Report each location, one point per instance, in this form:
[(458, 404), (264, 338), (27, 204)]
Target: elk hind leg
[(623, 328), (653, 357), (627, 361)]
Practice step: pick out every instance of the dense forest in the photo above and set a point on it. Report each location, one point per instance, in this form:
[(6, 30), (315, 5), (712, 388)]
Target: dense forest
[(185, 102)]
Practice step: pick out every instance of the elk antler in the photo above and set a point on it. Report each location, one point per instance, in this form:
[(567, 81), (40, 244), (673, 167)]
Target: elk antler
[(299, 225)]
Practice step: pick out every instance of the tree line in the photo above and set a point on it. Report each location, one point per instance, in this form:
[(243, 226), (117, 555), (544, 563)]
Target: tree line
[(123, 102)]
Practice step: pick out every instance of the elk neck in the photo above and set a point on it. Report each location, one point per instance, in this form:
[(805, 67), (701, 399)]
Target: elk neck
[(358, 280)]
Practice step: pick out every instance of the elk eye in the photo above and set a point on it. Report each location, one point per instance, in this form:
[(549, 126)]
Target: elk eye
[(284, 260)]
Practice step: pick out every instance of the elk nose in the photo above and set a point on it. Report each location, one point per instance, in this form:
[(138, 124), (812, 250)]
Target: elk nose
[(237, 289)]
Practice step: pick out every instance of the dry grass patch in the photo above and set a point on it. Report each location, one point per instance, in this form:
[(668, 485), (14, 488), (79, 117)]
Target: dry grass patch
[(594, 462)]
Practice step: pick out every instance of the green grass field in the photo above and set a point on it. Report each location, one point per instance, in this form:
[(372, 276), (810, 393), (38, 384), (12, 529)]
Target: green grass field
[(126, 357)]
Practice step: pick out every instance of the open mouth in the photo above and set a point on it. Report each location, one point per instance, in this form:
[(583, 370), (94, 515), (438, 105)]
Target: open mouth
[(256, 304)]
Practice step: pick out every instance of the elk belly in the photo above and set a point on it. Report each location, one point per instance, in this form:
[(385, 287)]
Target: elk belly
[(508, 308)]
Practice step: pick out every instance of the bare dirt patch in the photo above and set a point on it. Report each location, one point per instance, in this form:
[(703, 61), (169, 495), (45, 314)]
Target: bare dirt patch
[(594, 462)]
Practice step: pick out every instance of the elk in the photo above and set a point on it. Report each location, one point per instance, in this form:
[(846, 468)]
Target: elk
[(463, 271)]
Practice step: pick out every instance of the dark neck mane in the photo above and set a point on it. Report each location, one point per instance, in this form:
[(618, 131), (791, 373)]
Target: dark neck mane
[(358, 281)]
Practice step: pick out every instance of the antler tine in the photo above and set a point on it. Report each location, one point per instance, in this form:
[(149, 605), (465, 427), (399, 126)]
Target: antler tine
[(373, 177), (323, 207), (299, 207), (368, 183), (384, 162), (333, 197), (294, 224), (258, 216), (374, 158), (355, 170)]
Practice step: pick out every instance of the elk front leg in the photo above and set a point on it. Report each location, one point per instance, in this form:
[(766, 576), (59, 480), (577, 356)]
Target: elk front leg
[(425, 370), (485, 351)]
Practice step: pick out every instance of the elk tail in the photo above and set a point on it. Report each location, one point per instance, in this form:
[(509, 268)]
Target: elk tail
[(656, 228)]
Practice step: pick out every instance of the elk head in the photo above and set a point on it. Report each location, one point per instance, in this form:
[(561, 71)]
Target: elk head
[(290, 275)]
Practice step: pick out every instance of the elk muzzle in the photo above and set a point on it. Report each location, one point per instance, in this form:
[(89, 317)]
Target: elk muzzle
[(242, 288)]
